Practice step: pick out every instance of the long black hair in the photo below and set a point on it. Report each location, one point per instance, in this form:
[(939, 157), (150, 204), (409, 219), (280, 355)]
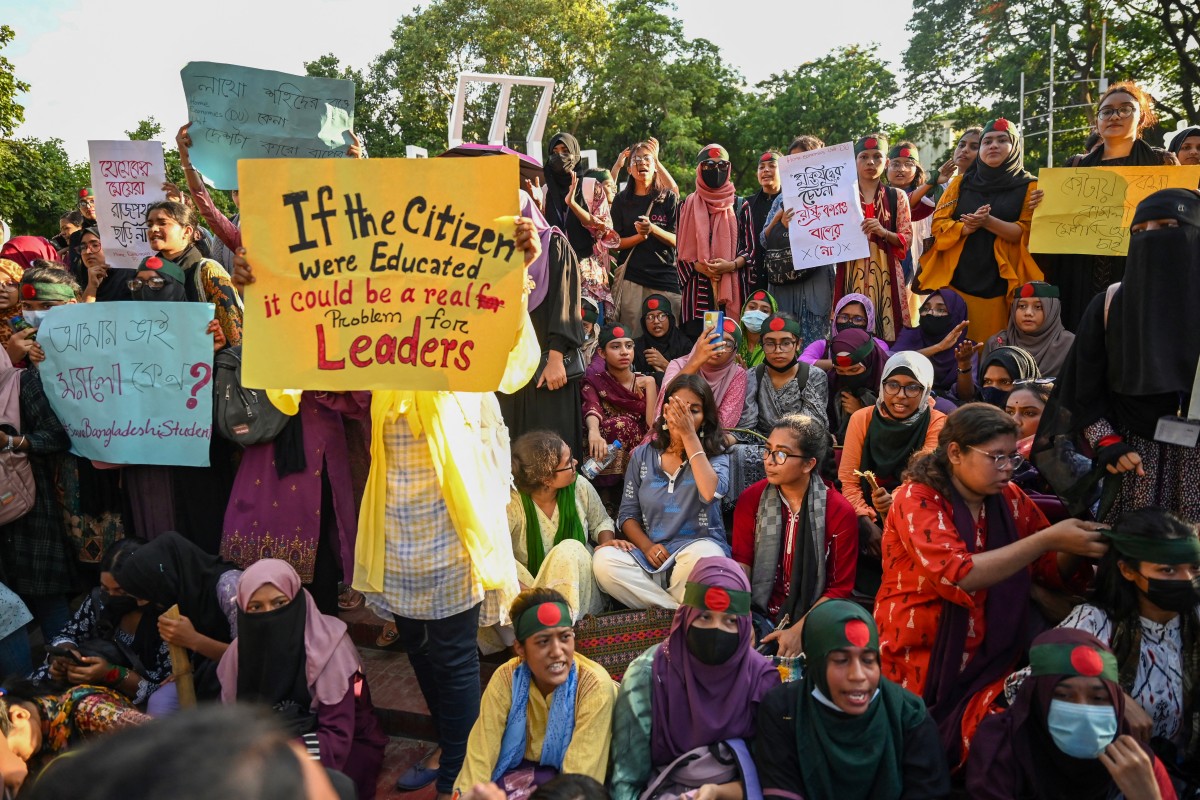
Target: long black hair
[(712, 438)]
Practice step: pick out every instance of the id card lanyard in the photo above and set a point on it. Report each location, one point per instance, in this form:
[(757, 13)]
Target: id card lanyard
[(1179, 430)]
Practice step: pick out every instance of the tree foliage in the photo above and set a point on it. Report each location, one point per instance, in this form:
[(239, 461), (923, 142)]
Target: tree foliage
[(38, 184), (12, 113)]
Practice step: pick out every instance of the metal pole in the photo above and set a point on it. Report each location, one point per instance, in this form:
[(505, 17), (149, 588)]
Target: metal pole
[(1103, 53), (1050, 128), (1022, 128)]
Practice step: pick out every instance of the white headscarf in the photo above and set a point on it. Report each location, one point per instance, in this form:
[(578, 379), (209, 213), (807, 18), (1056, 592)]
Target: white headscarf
[(921, 369)]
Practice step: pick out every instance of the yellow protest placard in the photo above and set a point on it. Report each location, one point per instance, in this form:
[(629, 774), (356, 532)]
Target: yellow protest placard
[(1088, 209), (380, 273)]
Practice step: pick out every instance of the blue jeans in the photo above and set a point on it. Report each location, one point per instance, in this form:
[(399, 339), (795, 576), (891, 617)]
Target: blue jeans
[(445, 658)]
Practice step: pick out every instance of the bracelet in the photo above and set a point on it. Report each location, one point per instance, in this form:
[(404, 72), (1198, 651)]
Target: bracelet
[(966, 371), (115, 676), (1105, 441), (693, 455)]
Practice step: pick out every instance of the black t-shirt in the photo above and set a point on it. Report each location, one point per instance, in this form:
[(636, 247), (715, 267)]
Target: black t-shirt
[(651, 263)]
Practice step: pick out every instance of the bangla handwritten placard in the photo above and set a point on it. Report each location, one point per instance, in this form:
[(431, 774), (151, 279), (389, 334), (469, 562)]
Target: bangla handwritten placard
[(821, 186), (131, 382), (241, 112), (126, 178), (381, 273), (1088, 209)]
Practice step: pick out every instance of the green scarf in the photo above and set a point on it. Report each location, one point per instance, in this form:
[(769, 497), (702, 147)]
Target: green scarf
[(841, 755), (752, 357), (569, 526), (889, 443)]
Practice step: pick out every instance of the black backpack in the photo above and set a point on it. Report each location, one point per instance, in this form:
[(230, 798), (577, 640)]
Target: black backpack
[(242, 415)]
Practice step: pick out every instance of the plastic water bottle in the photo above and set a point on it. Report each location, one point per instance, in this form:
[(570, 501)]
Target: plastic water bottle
[(591, 468)]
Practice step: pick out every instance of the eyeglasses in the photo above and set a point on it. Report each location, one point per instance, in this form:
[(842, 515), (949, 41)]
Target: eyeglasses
[(710, 164), (934, 312), (780, 457), (844, 319), (91, 247), (1124, 112), (1000, 459), (909, 389), (642, 160), (569, 468), (771, 345), (656, 316), (137, 284)]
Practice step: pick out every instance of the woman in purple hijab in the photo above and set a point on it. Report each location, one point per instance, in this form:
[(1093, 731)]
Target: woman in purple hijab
[(699, 688), (943, 327)]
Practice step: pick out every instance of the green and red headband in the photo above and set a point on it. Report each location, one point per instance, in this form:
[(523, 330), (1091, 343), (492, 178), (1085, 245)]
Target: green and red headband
[(540, 617), (1038, 289), (589, 313), (656, 302), (613, 332), (46, 292), (1070, 660), (837, 625), (164, 267), (1156, 551), (717, 598), (733, 329), (904, 151), (777, 324), (770, 155), (712, 152), (1002, 125), (84, 194), (872, 142), (856, 357)]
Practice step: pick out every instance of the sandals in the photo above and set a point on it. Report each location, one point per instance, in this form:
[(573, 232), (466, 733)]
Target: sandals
[(349, 599), (386, 639)]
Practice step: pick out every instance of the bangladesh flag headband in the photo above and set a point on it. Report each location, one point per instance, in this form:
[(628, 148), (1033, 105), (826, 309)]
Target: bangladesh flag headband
[(857, 357), (1156, 551), (775, 324), (47, 292), (1071, 660), (541, 617), (1038, 289), (717, 598)]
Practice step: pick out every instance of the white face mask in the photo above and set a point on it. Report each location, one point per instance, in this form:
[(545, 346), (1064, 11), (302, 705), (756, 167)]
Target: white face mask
[(753, 320), (35, 318)]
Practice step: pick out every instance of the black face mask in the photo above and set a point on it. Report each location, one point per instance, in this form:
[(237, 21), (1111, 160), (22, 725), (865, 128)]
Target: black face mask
[(935, 327), (562, 163), (119, 606), (1173, 595), (714, 178), (171, 292), (785, 368), (995, 397), (712, 646)]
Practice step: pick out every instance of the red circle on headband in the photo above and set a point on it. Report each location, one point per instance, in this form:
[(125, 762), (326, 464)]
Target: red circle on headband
[(843, 361), (583, 313), (1027, 290), (759, 296), (857, 633), (549, 614), (28, 291), (871, 144), (83, 192), (1000, 125), (652, 304), (716, 599), (777, 324), (618, 333), (1087, 661), (730, 326), (714, 152), (153, 262), (906, 153)]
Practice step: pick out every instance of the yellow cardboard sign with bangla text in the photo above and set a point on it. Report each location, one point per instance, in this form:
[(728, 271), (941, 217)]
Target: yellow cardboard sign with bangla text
[(1088, 209), (388, 273)]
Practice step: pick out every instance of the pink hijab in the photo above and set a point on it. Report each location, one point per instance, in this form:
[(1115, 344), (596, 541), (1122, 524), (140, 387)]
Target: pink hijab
[(539, 270), (332, 658), (708, 229), (26, 249)]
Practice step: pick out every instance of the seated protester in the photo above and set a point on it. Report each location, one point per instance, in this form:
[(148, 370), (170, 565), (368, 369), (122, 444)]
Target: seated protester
[(852, 311), (1035, 326), (1144, 606), (189, 500), (779, 386), (545, 713), (301, 663), (671, 506), (661, 341), (687, 706), (169, 571), (554, 515), (962, 548), (116, 642), (36, 553), (1026, 403), (39, 722), (1068, 733), (880, 440), (10, 299), (943, 327), (858, 362), (716, 363), (998, 371), (844, 731), (618, 406), (795, 538), (103, 283), (758, 306)]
